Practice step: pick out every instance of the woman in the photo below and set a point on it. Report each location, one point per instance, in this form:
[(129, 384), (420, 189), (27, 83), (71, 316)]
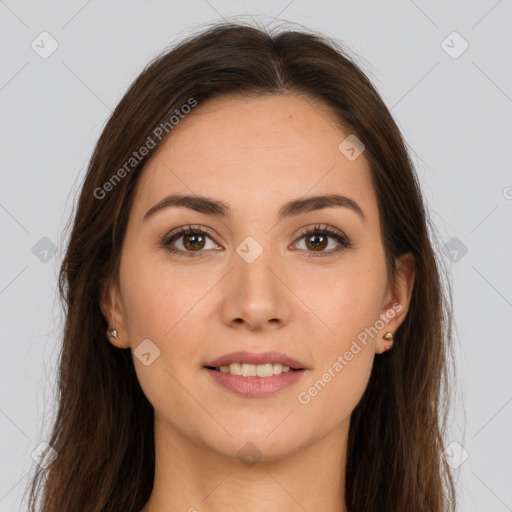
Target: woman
[(252, 230)]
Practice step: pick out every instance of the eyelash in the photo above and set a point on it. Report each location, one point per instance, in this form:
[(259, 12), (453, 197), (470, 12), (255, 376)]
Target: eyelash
[(342, 239)]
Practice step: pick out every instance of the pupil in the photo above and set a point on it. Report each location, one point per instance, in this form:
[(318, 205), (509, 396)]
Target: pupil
[(194, 244), (318, 244)]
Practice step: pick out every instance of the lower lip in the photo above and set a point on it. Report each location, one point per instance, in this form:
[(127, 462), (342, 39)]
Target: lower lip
[(256, 387)]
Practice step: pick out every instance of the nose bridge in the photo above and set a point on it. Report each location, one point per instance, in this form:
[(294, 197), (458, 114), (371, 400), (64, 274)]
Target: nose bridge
[(255, 264), (254, 293)]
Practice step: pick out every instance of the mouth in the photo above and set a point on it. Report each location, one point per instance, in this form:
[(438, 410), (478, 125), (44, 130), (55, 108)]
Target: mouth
[(255, 374), (254, 370), (252, 364), (254, 381)]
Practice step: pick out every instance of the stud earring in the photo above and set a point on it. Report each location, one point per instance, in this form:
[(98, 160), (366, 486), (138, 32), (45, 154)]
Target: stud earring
[(112, 333), (389, 338)]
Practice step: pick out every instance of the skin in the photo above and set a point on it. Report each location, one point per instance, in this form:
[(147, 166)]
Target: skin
[(255, 155)]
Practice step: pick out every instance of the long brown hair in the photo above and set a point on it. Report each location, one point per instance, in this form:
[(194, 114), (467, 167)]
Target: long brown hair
[(103, 429)]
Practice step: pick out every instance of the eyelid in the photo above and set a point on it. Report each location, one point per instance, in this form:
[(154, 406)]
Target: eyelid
[(321, 227), (189, 227), (183, 231), (343, 240)]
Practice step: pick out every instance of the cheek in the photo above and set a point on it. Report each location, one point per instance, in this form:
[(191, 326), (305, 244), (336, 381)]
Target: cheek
[(347, 299), (161, 303), (157, 296), (336, 387), (349, 303)]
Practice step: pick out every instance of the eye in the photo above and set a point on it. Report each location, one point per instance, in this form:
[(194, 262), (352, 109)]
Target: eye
[(317, 239), (194, 241), (192, 244)]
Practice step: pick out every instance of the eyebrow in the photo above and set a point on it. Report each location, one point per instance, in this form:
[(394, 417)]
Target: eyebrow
[(222, 210)]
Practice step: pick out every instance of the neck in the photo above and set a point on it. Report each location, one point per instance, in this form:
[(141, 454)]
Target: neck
[(190, 476)]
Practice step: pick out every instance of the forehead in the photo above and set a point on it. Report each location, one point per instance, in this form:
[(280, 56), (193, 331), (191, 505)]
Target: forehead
[(250, 152)]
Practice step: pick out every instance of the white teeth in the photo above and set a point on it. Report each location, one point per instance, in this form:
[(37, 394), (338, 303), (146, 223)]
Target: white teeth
[(249, 370), (253, 370), (265, 370), (235, 369)]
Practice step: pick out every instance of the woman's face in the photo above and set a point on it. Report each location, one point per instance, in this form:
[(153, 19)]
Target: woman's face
[(254, 282)]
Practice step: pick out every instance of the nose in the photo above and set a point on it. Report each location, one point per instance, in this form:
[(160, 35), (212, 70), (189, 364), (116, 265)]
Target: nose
[(255, 296)]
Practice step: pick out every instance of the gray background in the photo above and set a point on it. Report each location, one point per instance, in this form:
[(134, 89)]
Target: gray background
[(455, 112)]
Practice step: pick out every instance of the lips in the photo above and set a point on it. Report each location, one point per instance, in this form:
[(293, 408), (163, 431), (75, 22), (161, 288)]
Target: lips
[(243, 356)]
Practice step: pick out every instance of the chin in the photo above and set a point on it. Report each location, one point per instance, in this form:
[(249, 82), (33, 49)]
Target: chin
[(253, 443)]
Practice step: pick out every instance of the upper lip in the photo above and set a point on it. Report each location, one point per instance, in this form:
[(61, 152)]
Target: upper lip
[(243, 356)]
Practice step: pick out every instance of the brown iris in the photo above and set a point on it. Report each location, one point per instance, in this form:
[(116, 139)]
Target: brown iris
[(197, 241), (316, 245)]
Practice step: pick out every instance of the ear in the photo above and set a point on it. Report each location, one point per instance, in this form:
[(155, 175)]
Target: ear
[(112, 309), (397, 299)]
